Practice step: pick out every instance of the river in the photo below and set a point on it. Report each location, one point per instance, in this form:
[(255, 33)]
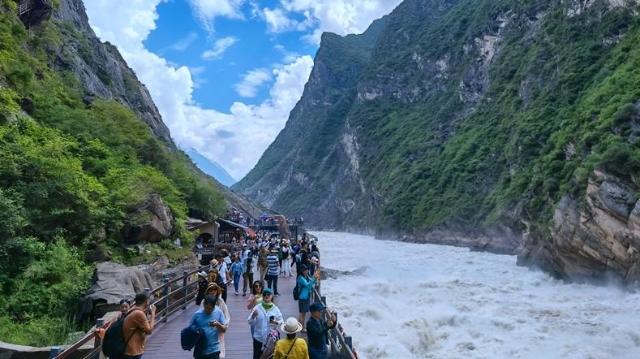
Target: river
[(429, 301)]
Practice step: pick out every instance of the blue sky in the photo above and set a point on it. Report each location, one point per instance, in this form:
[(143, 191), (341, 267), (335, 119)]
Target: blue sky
[(226, 73)]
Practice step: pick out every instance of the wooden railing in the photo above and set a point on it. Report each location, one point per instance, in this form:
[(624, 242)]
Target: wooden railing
[(340, 342), (169, 298)]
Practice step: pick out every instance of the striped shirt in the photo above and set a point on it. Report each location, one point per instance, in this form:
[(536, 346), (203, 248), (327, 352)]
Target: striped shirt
[(273, 265)]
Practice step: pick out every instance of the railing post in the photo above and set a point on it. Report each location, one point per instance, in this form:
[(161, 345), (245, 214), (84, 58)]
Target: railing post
[(349, 341), (54, 352), (97, 341), (166, 300), (184, 290)]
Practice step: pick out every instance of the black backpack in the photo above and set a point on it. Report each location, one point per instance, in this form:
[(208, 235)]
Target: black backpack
[(113, 344), (296, 291)]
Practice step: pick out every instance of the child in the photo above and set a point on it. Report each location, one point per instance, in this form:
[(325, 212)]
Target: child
[(236, 271)]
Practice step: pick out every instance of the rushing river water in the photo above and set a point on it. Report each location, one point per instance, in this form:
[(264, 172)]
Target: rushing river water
[(428, 301)]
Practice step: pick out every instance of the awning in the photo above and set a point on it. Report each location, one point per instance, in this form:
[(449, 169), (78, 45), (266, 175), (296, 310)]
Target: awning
[(251, 232), (232, 223)]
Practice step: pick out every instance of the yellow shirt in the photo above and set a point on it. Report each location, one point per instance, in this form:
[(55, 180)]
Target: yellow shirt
[(299, 350)]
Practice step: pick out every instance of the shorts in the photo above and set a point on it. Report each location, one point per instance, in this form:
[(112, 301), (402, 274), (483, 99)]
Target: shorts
[(303, 305)]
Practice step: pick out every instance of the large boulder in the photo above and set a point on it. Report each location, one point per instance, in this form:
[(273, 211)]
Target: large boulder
[(114, 281), (151, 222)]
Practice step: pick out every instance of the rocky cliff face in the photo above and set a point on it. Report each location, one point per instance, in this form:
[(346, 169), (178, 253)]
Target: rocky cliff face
[(473, 123), (597, 238), (101, 69)]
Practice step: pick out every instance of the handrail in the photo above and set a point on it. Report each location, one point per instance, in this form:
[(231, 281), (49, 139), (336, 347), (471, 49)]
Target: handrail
[(340, 342), (163, 303)]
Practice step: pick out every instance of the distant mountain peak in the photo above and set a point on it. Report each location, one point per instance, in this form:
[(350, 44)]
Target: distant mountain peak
[(210, 167)]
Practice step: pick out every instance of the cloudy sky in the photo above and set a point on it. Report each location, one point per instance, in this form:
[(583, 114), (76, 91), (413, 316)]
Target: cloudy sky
[(226, 73)]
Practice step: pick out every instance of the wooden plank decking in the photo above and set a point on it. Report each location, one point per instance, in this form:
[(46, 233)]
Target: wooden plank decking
[(164, 343)]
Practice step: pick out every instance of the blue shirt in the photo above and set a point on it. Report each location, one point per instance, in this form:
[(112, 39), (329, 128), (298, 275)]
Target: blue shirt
[(304, 286), (202, 320)]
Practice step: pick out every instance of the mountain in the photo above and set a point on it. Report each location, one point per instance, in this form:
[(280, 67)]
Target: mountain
[(88, 170), (211, 168), (500, 125)]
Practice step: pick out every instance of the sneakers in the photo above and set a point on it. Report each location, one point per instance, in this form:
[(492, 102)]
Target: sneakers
[(236, 293), (244, 294), (277, 294)]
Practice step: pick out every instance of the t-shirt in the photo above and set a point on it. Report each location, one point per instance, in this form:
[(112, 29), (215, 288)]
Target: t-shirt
[(222, 272), (201, 319), (136, 327), (299, 350), (273, 265)]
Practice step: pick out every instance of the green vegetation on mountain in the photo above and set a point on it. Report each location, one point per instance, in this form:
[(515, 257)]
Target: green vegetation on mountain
[(71, 171), (468, 114)]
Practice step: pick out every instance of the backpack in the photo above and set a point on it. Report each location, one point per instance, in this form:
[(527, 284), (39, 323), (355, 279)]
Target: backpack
[(113, 344), (190, 336), (269, 345), (296, 292)]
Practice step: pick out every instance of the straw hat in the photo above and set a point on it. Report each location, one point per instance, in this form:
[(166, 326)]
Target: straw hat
[(202, 274), (291, 326)]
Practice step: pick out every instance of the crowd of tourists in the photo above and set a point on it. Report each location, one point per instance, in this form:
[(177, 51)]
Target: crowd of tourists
[(252, 271)]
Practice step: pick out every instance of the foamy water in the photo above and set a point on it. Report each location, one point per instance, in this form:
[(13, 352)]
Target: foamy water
[(428, 301)]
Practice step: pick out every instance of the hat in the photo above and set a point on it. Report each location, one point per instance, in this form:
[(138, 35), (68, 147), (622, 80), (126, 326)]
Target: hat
[(291, 326), (214, 262), (316, 307), (303, 268), (202, 274), (267, 290), (214, 287)]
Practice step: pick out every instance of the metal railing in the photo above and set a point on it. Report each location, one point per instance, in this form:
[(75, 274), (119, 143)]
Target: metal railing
[(169, 298), (340, 342), (24, 6)]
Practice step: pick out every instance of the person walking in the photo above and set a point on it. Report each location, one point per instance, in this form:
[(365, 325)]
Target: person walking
[(212, 321), (136, 327), (286, 259), (236, 271), (317, 329), (202, 287), (290, 347), (247, 271), (305, 285), (263, 317), (215, 290), (273, 270), (262, 262), (223, 275)]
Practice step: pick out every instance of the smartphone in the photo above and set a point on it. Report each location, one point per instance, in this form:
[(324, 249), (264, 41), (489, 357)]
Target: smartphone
[(271, 318)]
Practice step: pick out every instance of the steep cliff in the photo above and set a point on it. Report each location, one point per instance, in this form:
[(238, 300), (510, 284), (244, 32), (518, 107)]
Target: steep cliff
[(471, 123)]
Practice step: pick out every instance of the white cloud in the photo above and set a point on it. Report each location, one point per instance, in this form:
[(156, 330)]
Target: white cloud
[(338, 16), (277, 21), (251, 81), (237, 139), (207, 10), (183, 44), (220, 46)]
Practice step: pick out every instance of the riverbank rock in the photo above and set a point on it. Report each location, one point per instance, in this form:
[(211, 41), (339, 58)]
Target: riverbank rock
[(597, 238), (498, 240), (114, 281)]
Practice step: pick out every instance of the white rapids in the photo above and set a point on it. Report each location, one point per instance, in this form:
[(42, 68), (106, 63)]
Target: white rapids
[(429, 301)]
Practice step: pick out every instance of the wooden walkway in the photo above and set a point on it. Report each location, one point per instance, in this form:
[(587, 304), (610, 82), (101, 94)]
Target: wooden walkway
[(164, 343)]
